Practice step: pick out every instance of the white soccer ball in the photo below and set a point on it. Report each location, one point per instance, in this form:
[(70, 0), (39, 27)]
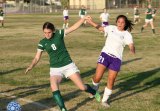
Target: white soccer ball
[(13, 106)]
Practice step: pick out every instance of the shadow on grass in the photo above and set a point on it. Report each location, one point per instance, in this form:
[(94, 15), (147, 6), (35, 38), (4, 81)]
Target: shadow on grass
[(31, 90), (136, 84), (78, 105), (11, 71), (128, 61)]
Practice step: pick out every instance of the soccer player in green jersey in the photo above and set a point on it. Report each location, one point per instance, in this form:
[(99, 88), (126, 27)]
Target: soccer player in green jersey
[(82, 13), (2, 17), (61, 63), (136, 15), (149, 19)]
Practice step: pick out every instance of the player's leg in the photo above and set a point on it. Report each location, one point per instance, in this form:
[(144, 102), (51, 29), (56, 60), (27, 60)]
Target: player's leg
[(64, 23), (145, 25), (84, 87), (82, 16), (136, 20), (113, 69), (54, 82), (100, 69), (152, 26), (85, 22), (108, 90), (2, 23), (67, 22)]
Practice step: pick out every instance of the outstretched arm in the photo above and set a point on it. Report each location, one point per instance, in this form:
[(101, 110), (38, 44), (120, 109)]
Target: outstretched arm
[(97, 26), (132, 48), (75, 26), (34, 61)]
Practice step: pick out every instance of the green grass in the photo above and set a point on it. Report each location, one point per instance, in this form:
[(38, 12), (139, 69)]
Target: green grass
[(136, 87)]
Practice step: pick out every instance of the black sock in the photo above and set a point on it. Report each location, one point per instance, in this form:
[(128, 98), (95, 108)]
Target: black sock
[(153, 31), (142, 29), (90, 89), (58, 99)]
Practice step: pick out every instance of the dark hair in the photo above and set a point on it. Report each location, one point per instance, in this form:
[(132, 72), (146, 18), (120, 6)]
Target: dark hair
[(128, 23), (48, 25)]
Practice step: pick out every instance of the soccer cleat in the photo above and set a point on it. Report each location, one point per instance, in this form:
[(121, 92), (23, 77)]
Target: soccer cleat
[(95, 87), (105, 104), (97, 96)]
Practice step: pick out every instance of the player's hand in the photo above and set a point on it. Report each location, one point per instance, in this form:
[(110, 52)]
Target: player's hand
[(88, 17), (27, 70)]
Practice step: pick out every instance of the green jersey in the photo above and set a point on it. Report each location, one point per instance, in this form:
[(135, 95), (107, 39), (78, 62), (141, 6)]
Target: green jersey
[(149, 16), (56, 49), (1, 13), (83, 12)]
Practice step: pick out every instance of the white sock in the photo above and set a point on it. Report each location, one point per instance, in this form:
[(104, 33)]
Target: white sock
[(67, 25), (95, 84), (64, 26), (107, 93)]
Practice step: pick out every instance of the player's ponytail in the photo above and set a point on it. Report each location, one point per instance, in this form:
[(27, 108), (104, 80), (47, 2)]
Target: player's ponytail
[(48, 25), (128, 23)]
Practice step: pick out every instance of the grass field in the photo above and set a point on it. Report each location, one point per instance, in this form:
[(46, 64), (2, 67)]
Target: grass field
[(137, 86)]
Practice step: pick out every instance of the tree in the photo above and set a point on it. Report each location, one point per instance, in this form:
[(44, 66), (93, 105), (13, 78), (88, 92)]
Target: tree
[(65, 3)]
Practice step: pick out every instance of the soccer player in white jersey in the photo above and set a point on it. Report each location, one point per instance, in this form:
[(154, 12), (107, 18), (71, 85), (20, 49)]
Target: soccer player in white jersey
[(104, 17), (61, 64), (66, 18), (111, 54)]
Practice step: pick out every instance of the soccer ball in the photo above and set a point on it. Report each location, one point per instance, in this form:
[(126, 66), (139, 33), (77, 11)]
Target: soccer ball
[(13, 106)]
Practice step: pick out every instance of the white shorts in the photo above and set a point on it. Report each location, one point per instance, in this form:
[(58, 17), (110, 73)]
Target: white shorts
[(148, 20), (64, 71), (136, 16), (82, 16), (1, 18)]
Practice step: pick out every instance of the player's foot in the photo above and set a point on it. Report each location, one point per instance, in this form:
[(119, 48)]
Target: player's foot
[(105, 104), (95, 87), (97, 96), (63, 109)]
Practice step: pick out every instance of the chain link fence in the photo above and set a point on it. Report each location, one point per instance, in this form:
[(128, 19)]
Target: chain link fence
[(32, 6), (40, 6)]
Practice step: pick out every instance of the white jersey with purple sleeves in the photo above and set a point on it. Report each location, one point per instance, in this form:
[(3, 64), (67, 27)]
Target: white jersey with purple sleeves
[(116, 41)]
